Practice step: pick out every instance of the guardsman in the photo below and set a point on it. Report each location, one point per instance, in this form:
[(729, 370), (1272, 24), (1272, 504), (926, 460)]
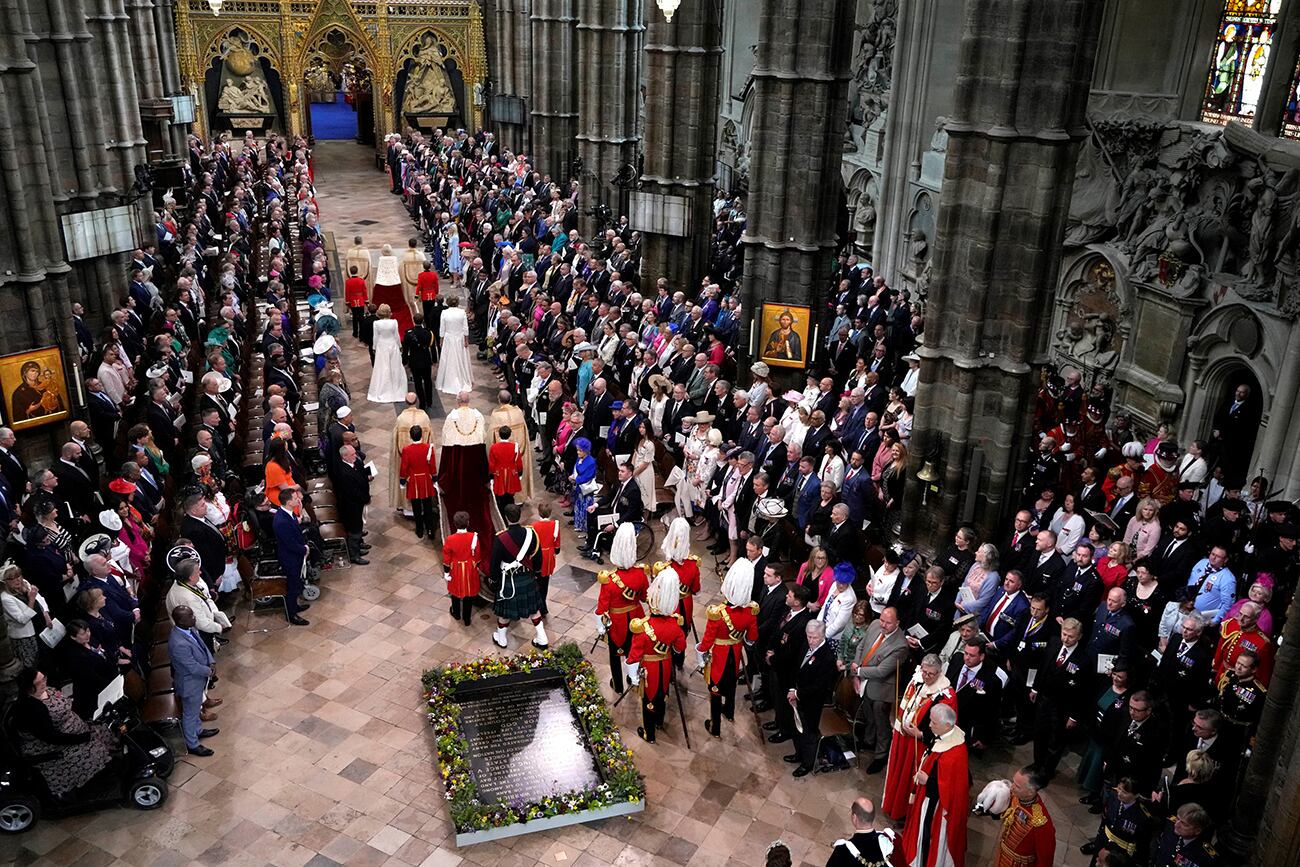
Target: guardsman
[(1241, 698), (676, 547), (506, 464), (654, 640), (418, 472), (1186, 840), (729, 628), (622, 590), (1028, 837), (1238, 635), (1126, 825)]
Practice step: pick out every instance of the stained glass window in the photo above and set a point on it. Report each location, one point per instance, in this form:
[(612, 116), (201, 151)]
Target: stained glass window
[(1291, 117), (1239, 60)]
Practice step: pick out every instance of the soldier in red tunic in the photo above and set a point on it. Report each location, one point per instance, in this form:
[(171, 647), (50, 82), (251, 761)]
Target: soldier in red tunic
[(1160, 481), (1069, 444), (548, 544), (1028, 838), (460, 565), (419, 469), (1133, 466), (622, 590), (354, 295), (654, 639), (729, 628), (676, 547), (506, 464)]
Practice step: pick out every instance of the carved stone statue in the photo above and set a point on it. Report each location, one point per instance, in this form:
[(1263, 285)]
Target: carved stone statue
[(427, 89), (873, 65), (253, 98)]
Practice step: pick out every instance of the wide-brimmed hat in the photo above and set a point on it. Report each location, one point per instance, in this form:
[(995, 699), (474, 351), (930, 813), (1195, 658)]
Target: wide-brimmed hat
[(585, 346), (792, 396), (704, 418), (658, 379), (324, 344), (96, 544)]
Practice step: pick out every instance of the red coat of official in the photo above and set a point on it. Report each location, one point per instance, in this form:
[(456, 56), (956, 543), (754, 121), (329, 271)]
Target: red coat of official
[(354, 292), (621, 595), (460, 557), (728, 628), (688, 584), (506, 463), (653, 640), (426, 286), (419, 466), (936, 818), (548, 543)]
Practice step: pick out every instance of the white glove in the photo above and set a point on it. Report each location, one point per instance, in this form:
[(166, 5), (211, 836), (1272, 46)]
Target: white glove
[(601, 628), (1065, 447), (1042, 434), (1070, 457), (1250, 548), (703, 659), (633, 673), (1101, 453)]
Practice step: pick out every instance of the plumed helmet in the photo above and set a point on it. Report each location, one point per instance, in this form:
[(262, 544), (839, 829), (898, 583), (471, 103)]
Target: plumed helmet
[(676, 545), (623, 552), (663, 594), (1134, 451), (738, 586)]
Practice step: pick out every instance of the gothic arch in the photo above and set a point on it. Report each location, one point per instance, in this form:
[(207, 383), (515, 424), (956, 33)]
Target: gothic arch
[(268, 46), (450, 46), (320, 34), (1228, 339)]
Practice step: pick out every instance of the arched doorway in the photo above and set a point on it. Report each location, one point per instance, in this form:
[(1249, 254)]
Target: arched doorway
[(338, 87), (1234, 427)]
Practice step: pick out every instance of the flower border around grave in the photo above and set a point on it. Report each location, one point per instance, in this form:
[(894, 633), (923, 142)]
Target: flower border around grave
[(621, 782)]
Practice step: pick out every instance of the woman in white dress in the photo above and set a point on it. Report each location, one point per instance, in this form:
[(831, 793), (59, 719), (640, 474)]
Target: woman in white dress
[(388, 378), (453, 366), (643, 466)]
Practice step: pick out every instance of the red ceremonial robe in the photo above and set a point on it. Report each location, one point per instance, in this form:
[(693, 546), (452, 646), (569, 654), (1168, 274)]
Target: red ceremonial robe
[(935, 833), (904, 750), (653, 639), (460, 553), (506, 464), (548, 542), (419, 466)]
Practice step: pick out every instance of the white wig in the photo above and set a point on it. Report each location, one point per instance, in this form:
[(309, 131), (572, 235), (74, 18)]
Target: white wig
[(738, 586), (623, 552), (677, 543), (664, 595)]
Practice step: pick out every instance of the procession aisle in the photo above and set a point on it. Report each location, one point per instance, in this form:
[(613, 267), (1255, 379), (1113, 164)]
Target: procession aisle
[(325, 755)]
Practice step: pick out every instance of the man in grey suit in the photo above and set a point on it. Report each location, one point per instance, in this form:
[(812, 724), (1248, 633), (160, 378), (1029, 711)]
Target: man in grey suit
[(884, 652), (192, 666)]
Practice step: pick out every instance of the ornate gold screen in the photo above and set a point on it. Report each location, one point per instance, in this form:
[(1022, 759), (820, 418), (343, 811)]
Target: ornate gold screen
[(296, 35)]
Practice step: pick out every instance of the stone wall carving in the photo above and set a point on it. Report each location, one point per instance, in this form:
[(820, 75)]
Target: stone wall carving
[(1193, 213), (1089, 334), (873, 63), (863, 203)]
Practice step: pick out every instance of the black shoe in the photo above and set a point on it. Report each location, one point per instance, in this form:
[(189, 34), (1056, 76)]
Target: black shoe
[(717, 549), (615, 688), (791, 760), (359, 561), (749, 696), (802, 771), (708, 727), (769, 726), (303, 606), (299, 621), (200, 750), (877, 766), (641, 731), (208, 733), (762, 707), (366, 549), (1089, 848), (1095, 809), (1089, 799), (778, 738)]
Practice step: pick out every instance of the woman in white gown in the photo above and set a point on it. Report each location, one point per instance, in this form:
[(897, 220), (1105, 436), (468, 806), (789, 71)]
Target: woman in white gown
[(453, 361), (388, 377)]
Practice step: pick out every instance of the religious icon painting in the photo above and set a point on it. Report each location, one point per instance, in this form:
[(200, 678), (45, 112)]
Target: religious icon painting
[(783, 334), (35, 387)]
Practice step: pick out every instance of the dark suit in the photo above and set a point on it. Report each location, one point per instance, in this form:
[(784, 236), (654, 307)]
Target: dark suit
[(934, 616), (417, 353), (210, 544), (1042, 578), (191, 664), (1184, 679), (814, 441), (1137, 751), (813, 679), (1093, 499), (1077, 592), (1019, 555), (771, 611), (1120, 514), (352, 486), (859, 494), (77, 488), (291, 551), (160, 421), (978, 699), (1063, 693), (789, 645), (845, 544), (624, 502), (1004, 630), (1175, 567), (104, 416)]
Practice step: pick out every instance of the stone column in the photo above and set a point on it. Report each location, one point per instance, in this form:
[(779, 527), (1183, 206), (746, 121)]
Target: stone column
[(610, 33), (554, 106), (800, 82), (510, 39), (108, 24), (683, 60), (1021, 94)]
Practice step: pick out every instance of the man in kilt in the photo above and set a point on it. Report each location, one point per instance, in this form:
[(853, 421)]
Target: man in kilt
[(513, 553)]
